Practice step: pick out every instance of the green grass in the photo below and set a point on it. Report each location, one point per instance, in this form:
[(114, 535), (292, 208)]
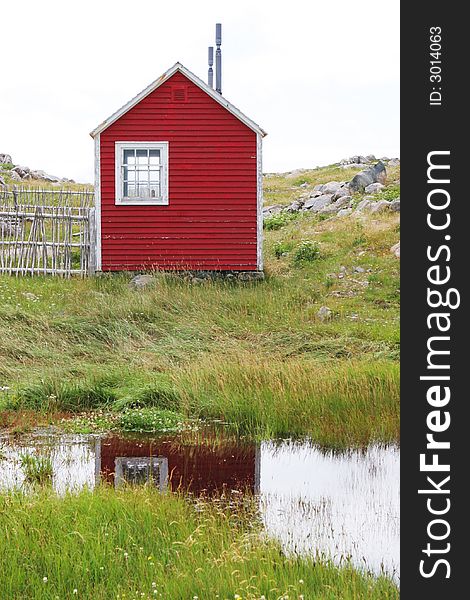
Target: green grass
[(77, 345), (137, 543)]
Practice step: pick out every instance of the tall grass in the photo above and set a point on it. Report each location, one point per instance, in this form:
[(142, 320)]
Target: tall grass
[(138, 543), (341, 405), (82, 344)]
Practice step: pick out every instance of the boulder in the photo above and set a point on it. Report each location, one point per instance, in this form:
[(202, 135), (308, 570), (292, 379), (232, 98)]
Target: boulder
[(294, 207), (395, 205), (140, 282), (334, 207), (5, 159), (363, 205), (375, 174), (341, 192), (2, 181), (374, 188), (274, 209), (315, 194), (344, 212), (14, 176), (331, 187), (22, 171), (316, 204), (44, 176), (394, 162), (380, 206)]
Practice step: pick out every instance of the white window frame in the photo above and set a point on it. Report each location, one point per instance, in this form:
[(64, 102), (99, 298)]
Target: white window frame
[(163, 200)]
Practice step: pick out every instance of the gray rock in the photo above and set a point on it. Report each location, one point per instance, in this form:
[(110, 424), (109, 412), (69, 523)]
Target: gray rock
[(325, 313), (22, 171), (363, 205), (303, 185), (394, 162), (380, 206), (334, 207), (358, 270), (395, 205), (344, 212), (274, 209), (374, 188), (375, 174), (341, 192), (315, 194), (370, 158), (315, 204), (14, 176), (251, 276), (395, 249), (331, 187), (318, 187), (140, 282), (5, 159), (294, 207), (2, 181), (44, 176)]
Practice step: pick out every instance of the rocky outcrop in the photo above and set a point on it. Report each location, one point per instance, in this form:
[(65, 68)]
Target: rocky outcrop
[(19, 173), (336, 199), (375, 174)]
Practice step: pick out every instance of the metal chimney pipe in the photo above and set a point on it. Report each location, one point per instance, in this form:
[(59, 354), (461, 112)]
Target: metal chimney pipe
[(218, 58), (210, 74)]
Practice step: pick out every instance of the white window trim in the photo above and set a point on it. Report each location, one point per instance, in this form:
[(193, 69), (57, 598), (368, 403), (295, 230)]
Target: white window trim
[(119, 147)]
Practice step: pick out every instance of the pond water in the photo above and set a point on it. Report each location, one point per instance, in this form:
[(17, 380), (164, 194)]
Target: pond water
[(338, 504)]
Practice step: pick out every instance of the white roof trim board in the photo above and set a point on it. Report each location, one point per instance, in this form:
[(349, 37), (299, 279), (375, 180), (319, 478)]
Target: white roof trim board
[(158, 82)]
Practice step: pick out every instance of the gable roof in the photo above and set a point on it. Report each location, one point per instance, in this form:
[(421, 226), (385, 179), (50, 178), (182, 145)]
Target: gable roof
[(178, 67)]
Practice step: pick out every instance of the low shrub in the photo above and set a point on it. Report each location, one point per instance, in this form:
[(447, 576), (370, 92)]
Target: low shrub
[(281, 248), (152, 420), (307, 251), (275, 222)]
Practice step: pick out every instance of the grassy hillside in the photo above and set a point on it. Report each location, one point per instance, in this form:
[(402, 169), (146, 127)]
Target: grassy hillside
[(256, 354)]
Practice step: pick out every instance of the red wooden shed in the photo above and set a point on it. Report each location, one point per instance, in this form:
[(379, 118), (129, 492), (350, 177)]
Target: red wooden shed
[(178, 181)]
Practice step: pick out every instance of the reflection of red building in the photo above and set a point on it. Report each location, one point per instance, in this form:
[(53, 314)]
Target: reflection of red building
[(198, 468)]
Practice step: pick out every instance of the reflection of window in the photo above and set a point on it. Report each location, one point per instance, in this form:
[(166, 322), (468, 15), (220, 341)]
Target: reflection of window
[(141, 470), (141, 172)]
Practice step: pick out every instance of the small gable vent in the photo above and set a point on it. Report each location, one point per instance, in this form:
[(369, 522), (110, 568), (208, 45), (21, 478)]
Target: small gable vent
[(179, 94)]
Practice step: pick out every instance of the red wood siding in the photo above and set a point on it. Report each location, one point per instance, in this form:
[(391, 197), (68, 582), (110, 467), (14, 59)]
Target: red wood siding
[(211, 220), (197, 469)]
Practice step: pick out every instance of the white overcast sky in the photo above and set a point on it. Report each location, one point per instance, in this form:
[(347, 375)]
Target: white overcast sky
[(321, 77)]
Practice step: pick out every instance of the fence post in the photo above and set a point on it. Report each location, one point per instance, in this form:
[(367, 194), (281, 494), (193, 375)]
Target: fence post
[(92, 242)]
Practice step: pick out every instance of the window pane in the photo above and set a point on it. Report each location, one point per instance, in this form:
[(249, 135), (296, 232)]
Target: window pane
[(129, 157), (154, 157), (130, 175), (142, 157), (154, 175), (154, 190), (131, 191)]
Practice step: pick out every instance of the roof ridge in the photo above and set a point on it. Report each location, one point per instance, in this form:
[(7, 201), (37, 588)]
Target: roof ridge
[(159, 81)]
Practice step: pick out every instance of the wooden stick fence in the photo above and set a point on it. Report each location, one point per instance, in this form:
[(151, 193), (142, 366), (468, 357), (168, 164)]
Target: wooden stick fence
[(47, 232)]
